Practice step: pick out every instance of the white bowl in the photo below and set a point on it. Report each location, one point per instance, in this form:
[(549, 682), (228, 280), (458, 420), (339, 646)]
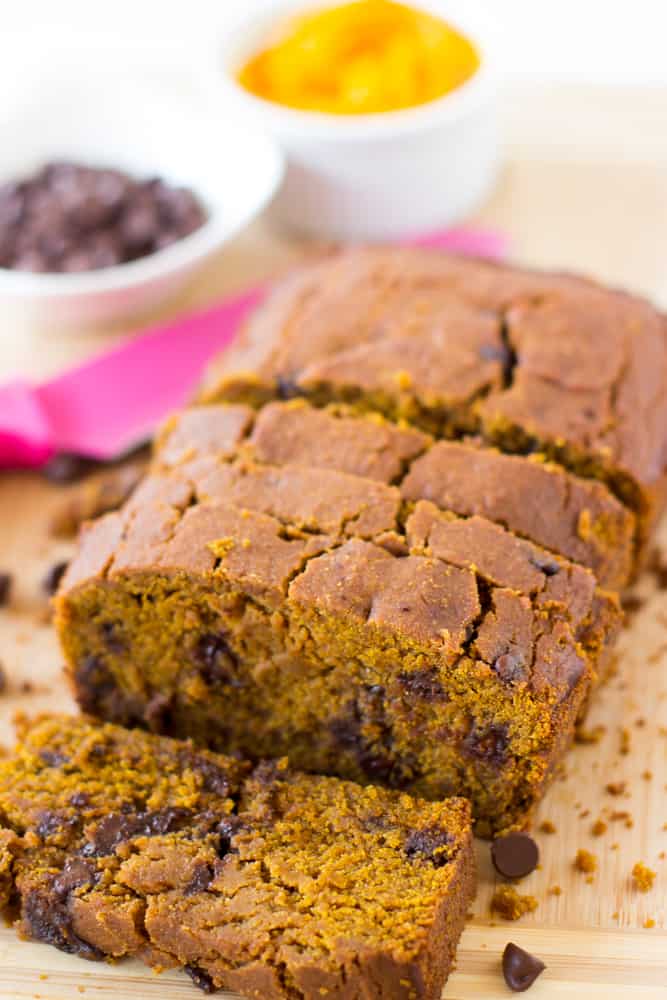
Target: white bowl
[(377, 176), (125, 107)]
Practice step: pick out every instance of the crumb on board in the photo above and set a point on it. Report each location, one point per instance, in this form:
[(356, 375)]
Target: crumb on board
[(599, 827), (643, 877), (592, 735), (631, 604), (647, 775), (546, 826), (649, 922), (622, 814), (624, 741), (585, 861), (5, 588), (615, 787), (555, 890), (510, 904)]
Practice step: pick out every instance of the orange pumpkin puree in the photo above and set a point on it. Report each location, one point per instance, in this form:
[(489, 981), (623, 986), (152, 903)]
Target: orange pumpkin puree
[(359, 58)]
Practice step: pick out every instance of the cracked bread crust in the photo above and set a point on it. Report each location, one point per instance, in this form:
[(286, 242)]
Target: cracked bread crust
[(534, 362), (533, 498), (269, 882), (364, 636)]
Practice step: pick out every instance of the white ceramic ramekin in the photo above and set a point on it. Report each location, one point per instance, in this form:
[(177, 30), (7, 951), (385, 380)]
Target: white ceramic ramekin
[(136, 109), (378, 176)]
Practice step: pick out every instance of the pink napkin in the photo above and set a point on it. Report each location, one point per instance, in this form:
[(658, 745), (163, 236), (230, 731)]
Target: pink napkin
[(109, 403)]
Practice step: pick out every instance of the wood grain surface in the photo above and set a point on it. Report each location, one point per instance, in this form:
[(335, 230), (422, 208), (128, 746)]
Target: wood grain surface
[(599, 204)]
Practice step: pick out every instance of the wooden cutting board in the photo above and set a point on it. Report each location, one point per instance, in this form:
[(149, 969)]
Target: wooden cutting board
[(585, 188)]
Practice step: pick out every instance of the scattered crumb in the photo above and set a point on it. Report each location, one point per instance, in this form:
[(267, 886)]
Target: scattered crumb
[(593, 735), (615, 915), (5, 589), (620, 814), (590, 879), (546, 826), (631, 604), (585, 861), (640, 722), (647, 775), (510, 904), (642, 877), (584, 814), (625, 741), (26, 687), (555, 890), (662, 855), (54, 575), (649, 922), (3, 678), (658, 568), (614, 847), (43, 975), (615, 787), (599, 827)]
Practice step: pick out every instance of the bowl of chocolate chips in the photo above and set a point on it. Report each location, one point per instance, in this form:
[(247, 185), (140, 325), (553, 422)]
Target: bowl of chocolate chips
[(119, 180)]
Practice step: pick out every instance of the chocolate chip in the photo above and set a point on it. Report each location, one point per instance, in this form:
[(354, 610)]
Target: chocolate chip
[(47, 918), (547, 566), (5, 589), (488, 744), (520, 968), (98, 693), (51, 581), (157, 713), (287, 388), (202, 877), (510, 667), (79, 800), (227, 829), (53, 758), (50, 822), (515, 855), (116, 828), (200, 978), (214, 778), (432, 844), (218, 663), (376, 758), (67, 467), (112, 637), (76, 873), (422, 683)]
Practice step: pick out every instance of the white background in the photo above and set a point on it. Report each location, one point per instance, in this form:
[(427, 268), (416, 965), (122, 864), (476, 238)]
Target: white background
[(601, 41)]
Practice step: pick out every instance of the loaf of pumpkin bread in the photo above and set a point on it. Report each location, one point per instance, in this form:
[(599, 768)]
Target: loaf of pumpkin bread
[(320, 584)]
